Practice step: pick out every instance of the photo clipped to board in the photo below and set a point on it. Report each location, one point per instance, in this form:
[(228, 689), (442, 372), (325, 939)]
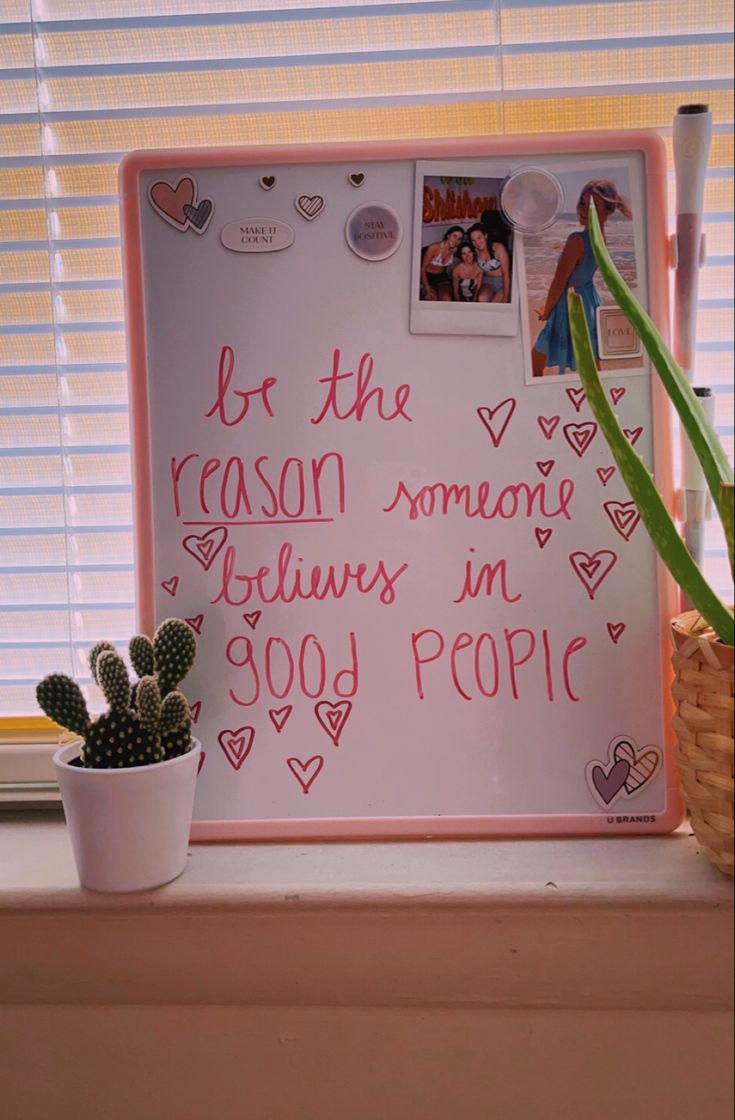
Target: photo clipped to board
[(464, 278)]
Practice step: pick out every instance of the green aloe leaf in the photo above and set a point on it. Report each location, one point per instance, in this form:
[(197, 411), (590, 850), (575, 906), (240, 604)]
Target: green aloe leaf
[(700, 432), (635, 474)]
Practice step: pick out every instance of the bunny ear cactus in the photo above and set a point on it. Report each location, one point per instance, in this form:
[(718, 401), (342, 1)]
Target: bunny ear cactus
[(174, 650), (633, 470)]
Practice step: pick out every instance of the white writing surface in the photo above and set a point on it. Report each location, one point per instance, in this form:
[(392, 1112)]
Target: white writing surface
[(423, 597)]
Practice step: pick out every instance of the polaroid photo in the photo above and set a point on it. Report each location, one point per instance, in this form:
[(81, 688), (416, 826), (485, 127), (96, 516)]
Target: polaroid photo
[(561, 257), (465, 255)]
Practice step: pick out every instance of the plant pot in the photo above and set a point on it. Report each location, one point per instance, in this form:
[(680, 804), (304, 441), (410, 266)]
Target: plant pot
[(129, 828), (703, 692)]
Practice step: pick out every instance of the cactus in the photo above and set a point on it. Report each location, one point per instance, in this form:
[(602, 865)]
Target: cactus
[(633, 470), (122, 736), (140, 649), (174, 650)]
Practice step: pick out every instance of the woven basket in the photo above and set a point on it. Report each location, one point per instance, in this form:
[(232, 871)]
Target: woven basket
[(703, 693)]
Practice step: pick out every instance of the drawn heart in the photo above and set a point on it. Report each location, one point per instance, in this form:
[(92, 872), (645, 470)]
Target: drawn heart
[(199, 215), (309, 205), (333, 717), (633, 434), (253, 618), (593, 569), (542, 536), (605, 474), (617, 393), (548, 425), (496, 419), (580, 436), (202, 756), (171, 585), (195, 710), (357, 179), (577, 397), (278, 717), (642, 767), (624, 517), (616, 630), (545, 466), (205, 548), (609, 785), (196, 623), (305, 772), (236, 745), (171, 202), (267, 182)]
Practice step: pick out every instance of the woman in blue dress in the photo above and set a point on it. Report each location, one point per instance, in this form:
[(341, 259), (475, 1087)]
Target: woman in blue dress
[(575, 269)]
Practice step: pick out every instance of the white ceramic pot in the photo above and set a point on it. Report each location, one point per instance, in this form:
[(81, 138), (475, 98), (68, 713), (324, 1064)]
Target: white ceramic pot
[(129, 828)]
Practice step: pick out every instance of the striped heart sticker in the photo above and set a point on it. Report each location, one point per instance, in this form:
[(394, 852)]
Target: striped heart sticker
[(643, 765), (309, 205)]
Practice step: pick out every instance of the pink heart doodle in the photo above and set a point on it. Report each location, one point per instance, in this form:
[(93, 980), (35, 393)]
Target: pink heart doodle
[(333, 717), (253, 618), (624, 517), (545, 466), (605, 474), (171, 585), (278, 717), (609, 785), (642, 766), (196, 623), (202, 756), (592, 569), (195, 710), (503, 413), (170, 202), (548, 425), (616, 631), (580, 436), (617, 393), (205, 548), (576, 396), (542, 536), (305, 772), (633, 434), (236, 745)]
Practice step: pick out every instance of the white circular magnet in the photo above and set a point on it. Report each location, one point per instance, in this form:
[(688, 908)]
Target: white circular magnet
[(531, 199)]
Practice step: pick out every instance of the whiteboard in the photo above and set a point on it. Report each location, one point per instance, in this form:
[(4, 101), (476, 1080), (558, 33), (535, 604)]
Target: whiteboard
[(424, 602)]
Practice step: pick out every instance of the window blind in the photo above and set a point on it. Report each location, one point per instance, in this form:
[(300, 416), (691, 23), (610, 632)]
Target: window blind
[(82, 82)]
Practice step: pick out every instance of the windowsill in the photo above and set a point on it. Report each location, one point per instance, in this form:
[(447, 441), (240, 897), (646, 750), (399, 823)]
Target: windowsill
[(642, 922)]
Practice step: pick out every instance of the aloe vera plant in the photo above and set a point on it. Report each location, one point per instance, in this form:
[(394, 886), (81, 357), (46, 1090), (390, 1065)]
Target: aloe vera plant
[(701, 433)]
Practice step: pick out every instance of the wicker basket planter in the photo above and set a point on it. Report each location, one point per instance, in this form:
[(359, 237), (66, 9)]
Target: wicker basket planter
[(703, 693)]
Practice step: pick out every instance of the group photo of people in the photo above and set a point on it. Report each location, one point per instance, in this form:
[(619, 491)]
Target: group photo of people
[(467, 260)]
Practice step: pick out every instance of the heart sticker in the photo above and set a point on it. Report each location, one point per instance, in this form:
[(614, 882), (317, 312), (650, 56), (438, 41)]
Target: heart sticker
[(624, 517), (171, 202), (548, 425), (171, 585), (278, 717), (496, 419), (542, 536), (236, 745), (608, 785), (267, 182), (204, 548), (333, 717), (592, 569), (357, 178), (605, 474), (580, 436), (309, 205), (577, 397), (200, 215), (617, 393), (642, 766), (305, 772)]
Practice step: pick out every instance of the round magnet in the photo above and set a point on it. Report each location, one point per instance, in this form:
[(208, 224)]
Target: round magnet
[(374, 231), (531, 199)]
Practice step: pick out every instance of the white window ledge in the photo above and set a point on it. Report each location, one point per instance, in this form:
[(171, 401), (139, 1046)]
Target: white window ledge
[(582, 923)]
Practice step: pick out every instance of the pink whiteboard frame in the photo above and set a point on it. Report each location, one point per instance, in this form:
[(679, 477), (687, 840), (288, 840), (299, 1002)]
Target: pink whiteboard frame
[(657, 245)]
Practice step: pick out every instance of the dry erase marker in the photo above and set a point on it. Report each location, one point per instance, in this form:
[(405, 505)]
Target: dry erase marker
[(692, 139)]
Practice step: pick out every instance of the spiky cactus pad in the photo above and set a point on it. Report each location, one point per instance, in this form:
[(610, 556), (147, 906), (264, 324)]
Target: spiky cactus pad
[(174, 648), (119, 738)]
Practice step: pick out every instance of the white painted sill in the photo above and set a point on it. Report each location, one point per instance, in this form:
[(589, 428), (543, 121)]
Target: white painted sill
[(624, 923)]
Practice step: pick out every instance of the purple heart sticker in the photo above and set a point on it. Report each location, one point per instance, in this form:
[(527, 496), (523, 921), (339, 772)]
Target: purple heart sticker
[(609, 785), (198, 216)]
